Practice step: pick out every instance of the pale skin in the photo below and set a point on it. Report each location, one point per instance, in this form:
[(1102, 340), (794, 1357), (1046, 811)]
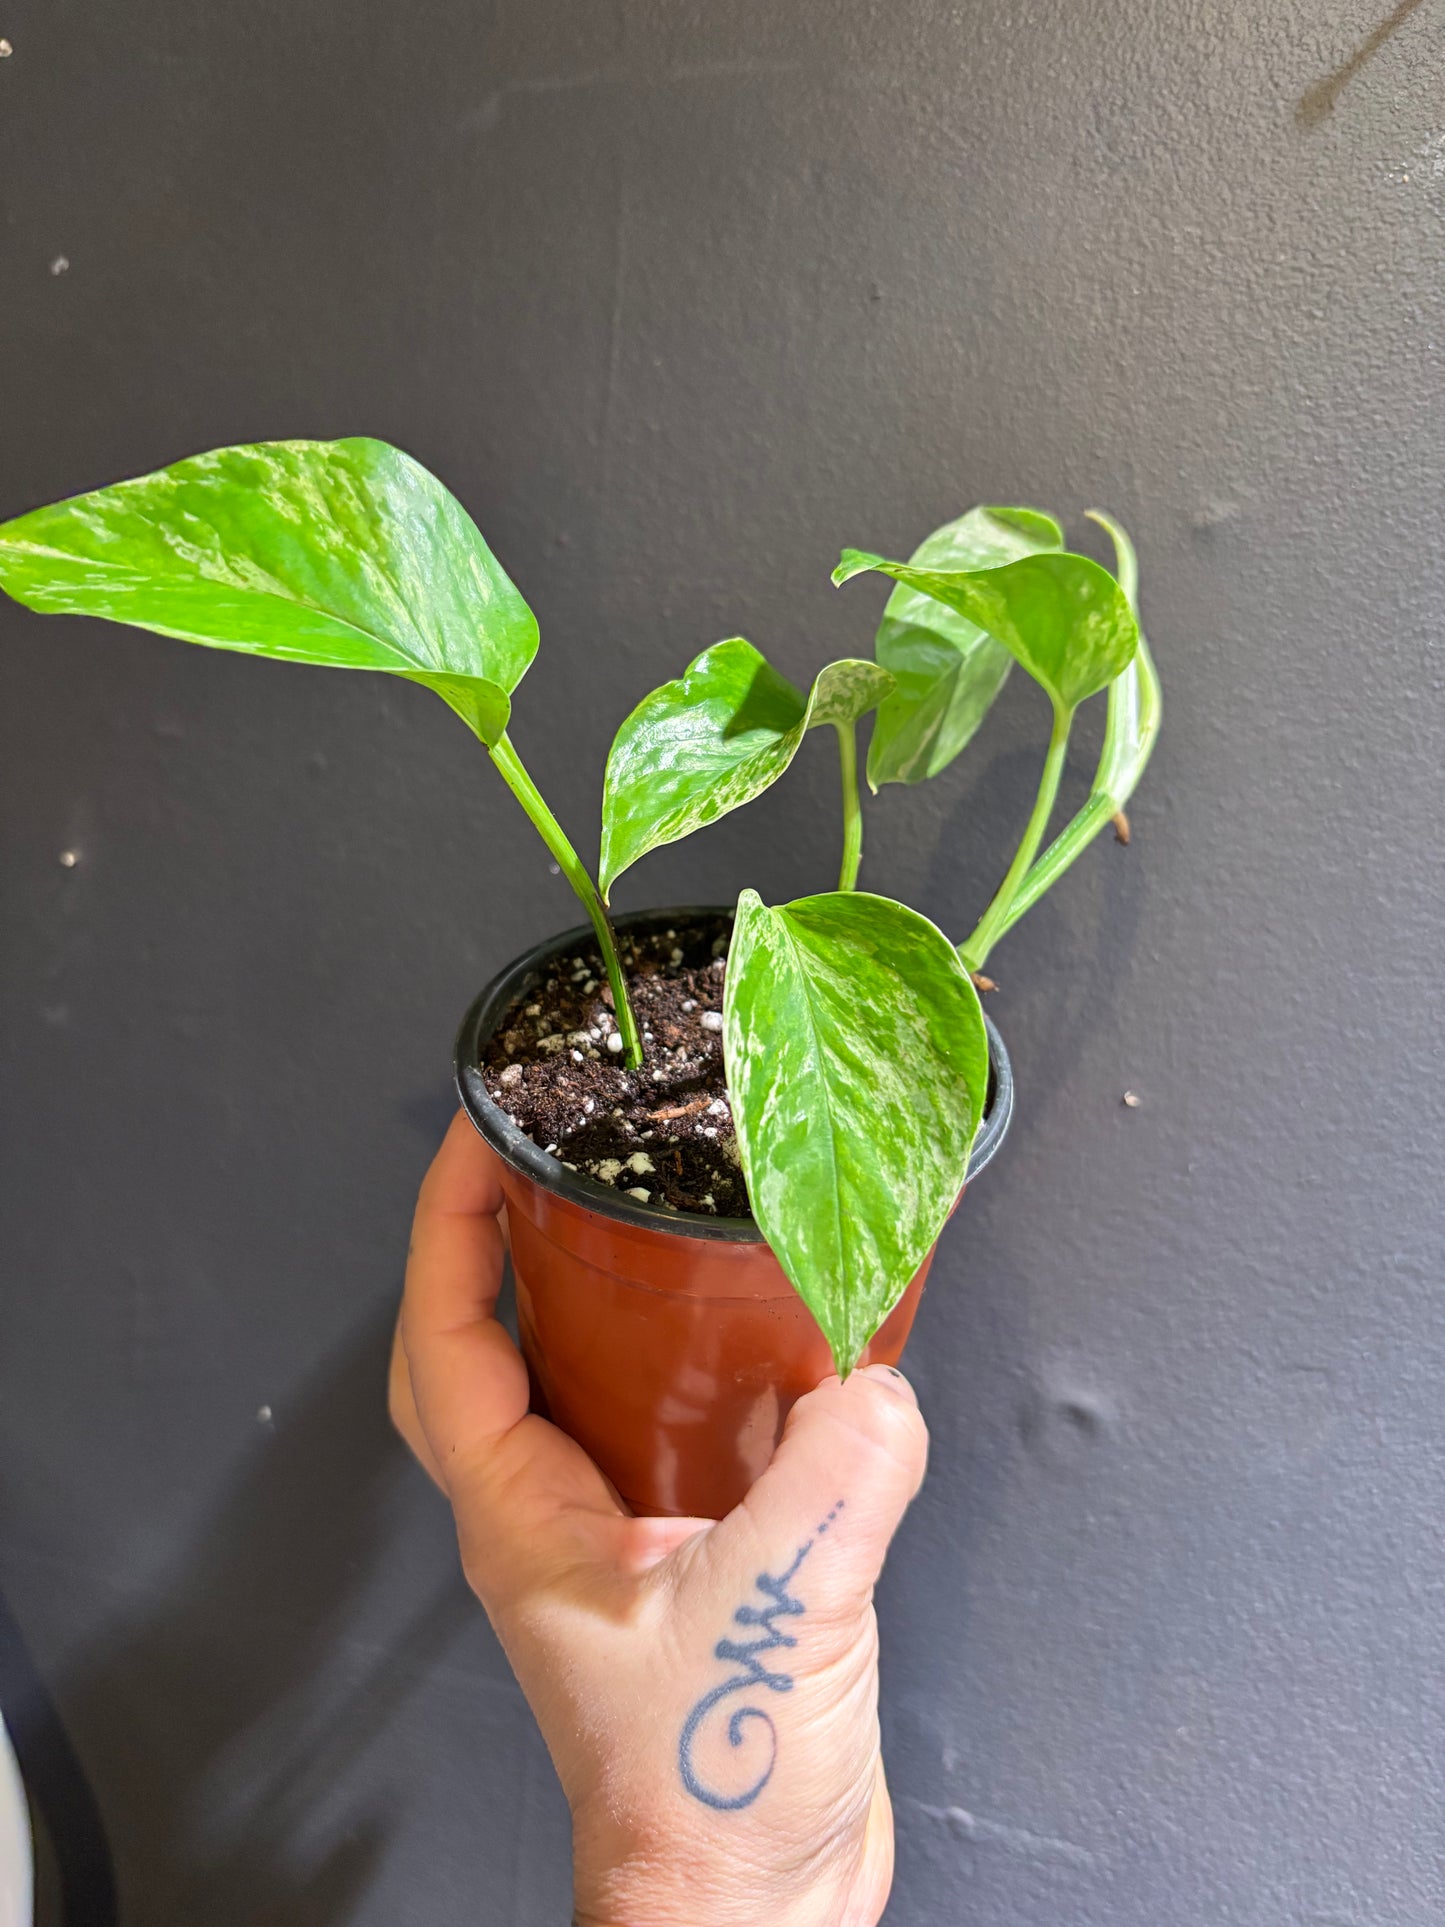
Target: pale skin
[(613, 1623)]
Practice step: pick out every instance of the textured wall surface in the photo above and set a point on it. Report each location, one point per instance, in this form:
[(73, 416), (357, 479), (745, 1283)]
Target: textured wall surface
[(679, 298)]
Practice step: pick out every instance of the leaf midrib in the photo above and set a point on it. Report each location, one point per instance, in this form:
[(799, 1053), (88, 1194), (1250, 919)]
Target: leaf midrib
[(827, 1100), (407, 664)]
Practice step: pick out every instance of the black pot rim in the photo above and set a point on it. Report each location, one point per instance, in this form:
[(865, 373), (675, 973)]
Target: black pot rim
[(513, 1144)]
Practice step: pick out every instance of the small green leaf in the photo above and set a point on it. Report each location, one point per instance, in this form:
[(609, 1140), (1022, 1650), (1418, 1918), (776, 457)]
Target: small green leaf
[(713, 740), (857, 1064), (1130, 733), (948, 671), (1061, 616), (345, 554), (844, 691)]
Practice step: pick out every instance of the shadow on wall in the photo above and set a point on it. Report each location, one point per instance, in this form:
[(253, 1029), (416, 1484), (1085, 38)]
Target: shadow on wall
[(216, 1729)]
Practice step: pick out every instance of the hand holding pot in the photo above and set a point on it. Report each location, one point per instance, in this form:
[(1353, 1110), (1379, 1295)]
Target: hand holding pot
[(708, 1692)]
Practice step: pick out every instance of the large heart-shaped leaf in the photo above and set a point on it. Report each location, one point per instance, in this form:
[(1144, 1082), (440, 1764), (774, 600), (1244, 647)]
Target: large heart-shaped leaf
[(713, 740), (857, 1065), (1061, 616), (947, 670), (345, 554)]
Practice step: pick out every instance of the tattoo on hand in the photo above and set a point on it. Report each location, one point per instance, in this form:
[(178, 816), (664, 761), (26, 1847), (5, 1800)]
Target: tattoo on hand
[(745, 1656)]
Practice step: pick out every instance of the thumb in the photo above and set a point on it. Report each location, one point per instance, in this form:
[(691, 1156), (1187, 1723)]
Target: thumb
[(851, 1457)]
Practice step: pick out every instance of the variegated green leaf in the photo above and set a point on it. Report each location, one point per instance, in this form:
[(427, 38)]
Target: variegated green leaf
[(947, 670), (1061, 616), (713, 740), (1130, 733), (348, 554), (844, 691), (857, 1065)]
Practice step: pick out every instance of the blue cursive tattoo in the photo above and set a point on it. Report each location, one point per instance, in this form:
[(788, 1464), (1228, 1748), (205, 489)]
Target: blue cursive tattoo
[(745, 1655)]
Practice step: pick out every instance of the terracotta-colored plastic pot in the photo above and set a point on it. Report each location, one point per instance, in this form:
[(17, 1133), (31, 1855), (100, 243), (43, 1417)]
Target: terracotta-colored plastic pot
[(670, 1345)]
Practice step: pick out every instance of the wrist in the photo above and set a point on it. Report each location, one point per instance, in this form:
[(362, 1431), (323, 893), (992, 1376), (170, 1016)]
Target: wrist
[(665, 1889), (708, 1891)]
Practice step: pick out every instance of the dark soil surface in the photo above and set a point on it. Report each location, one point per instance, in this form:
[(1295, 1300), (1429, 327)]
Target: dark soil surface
[(663, 1134)]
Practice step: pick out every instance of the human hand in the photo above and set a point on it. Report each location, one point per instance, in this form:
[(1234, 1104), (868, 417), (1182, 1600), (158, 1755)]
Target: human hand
[(708, 1692)]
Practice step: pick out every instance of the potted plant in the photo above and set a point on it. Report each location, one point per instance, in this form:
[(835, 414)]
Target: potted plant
[(730, 1138)]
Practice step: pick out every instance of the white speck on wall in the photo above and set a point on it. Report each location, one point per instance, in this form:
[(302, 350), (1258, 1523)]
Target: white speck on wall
[(263, 1415), (5, 50), (1427, 163), (69, 859), (60, 265)]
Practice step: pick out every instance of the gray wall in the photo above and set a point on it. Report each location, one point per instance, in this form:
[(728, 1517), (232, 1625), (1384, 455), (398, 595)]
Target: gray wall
[(679, 298)]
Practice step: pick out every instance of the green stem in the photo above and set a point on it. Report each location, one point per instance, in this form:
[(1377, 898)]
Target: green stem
[(1069, 843), (572, 867), (975, 948), (852, 811)]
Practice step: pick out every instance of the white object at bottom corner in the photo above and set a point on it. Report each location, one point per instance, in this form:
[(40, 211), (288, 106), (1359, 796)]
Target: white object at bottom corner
[(17, 1867)]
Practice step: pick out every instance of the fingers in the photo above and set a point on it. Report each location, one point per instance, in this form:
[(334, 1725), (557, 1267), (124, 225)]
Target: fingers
[(402, 1408), (460, 1394), (851, 1458), (466, 1378)]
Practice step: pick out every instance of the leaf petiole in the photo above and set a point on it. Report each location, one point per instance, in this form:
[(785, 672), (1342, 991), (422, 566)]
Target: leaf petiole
[(994, 921), (555, 837), (852, 810)]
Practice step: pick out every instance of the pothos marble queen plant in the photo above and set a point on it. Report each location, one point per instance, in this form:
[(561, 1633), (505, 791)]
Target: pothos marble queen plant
[(855, 1048)]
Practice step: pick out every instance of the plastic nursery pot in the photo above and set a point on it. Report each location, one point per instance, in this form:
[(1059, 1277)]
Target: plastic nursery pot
[(669, 1345)]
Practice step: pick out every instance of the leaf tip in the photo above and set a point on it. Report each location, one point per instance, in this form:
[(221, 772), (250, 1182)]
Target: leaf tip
[(853, 562), (848, 1356)]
